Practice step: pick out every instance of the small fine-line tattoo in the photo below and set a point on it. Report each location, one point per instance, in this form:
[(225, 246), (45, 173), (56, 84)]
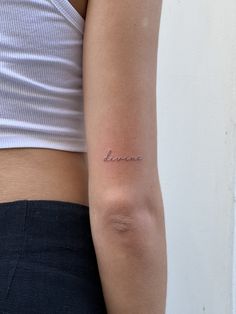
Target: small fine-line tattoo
[(108, 157)]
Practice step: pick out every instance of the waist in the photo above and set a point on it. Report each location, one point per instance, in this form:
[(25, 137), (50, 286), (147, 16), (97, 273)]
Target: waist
[(40, 173)]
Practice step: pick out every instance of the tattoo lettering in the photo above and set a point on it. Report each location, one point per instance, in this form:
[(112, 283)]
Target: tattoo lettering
[(108, 157)]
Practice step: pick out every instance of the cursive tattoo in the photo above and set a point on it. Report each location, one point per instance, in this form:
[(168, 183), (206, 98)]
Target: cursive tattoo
[(108, 157)]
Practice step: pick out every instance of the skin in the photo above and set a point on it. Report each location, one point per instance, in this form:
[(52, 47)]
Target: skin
[(80, 6), (126, 206)]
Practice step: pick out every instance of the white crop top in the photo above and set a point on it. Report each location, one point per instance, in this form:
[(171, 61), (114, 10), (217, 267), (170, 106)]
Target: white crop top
[(41, 94)]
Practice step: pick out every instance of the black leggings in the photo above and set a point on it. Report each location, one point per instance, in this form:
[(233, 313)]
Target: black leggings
[(47, 259)]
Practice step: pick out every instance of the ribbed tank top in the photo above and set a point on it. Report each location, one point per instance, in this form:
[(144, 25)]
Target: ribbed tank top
[(41, 90)]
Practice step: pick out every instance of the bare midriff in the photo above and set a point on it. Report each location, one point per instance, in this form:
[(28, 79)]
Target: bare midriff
[(43, 174)]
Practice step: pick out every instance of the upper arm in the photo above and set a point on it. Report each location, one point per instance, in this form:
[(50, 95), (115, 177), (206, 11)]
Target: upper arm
[(119, 83)]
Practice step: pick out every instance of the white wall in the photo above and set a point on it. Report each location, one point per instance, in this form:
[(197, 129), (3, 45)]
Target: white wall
[(196, 107)]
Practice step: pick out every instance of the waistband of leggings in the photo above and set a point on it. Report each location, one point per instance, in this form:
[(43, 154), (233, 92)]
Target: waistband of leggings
[(43, 203), (50, 216)]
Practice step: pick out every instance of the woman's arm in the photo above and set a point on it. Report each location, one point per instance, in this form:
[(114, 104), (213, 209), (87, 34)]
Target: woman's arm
[(125, 199)]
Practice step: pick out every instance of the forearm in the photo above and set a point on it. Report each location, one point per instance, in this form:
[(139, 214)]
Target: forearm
[(131, 254)]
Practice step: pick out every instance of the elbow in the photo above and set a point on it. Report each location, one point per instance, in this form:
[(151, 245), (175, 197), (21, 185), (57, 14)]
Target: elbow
[(128, 217)]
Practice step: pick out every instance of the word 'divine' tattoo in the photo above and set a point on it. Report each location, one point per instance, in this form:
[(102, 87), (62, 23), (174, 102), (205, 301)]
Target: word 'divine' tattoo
[(108, 157)]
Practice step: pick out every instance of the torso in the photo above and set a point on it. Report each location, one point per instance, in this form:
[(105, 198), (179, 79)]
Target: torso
[(36, 173)]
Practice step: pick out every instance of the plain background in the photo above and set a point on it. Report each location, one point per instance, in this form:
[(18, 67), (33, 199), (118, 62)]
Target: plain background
[(196, 108)]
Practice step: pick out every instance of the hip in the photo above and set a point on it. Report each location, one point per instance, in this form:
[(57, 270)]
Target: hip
[(47, 259)]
